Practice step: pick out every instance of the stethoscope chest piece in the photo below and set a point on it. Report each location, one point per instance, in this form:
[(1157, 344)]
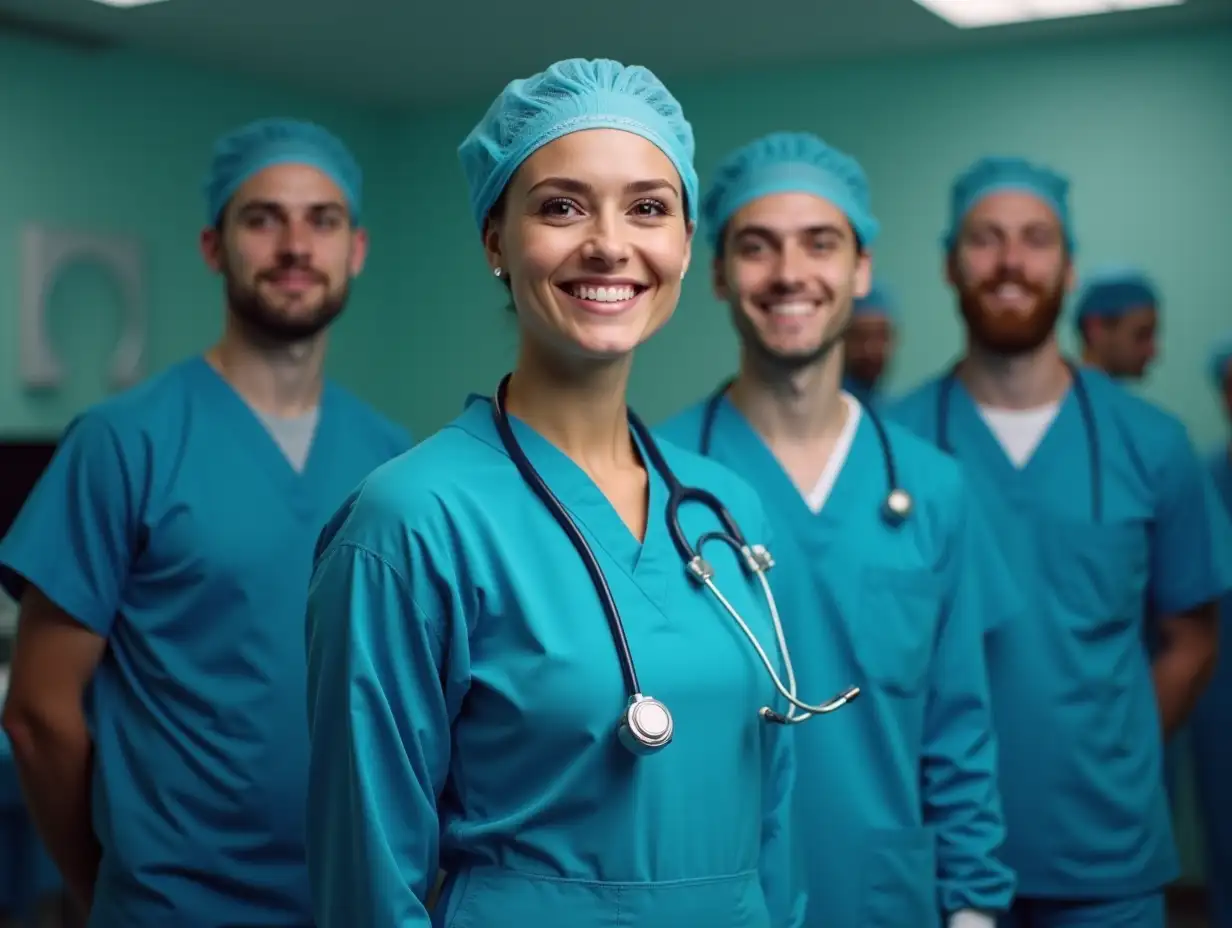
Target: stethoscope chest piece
[(646, 726), (898, 505)]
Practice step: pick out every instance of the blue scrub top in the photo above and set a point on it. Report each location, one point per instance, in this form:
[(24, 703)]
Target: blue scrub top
[(1073, 697), (170, 523), (899, 808), (465, 692)]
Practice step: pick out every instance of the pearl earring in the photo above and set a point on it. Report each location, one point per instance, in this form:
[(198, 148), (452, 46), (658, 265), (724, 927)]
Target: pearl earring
[(497, 271)]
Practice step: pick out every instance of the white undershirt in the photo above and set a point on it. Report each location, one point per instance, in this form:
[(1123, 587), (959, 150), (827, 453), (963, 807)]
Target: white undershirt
[(1020, 430), (816, 497)]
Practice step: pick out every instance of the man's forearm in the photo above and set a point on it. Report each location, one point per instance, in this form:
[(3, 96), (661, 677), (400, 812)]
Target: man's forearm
[(1179, 682), (54, 763)]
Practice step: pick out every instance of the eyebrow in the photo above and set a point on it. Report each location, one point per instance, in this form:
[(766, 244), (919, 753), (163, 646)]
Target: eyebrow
[(824, 228), (572, 185), (273, 206)]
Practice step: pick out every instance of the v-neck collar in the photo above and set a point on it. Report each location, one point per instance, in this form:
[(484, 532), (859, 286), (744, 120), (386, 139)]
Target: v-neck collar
[(964, 419), (738, 445), (647, 562), (251, 433)]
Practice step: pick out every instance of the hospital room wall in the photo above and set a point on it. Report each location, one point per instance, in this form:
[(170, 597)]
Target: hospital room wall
[(117, 143)]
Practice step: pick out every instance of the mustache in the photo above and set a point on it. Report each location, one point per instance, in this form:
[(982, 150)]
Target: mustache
[(293, 267), (1010, 278)]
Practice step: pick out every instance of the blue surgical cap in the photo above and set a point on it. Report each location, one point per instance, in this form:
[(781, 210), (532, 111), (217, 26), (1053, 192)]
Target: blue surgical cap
[(1110, 292), (879, 302), (789, 162), (246, 151), (572, 96), (1221, 360), (994, 174)]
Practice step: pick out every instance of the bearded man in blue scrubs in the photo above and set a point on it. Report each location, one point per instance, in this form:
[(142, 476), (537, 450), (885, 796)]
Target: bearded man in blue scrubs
[(881, 567), (157, 706), (1105, 513)]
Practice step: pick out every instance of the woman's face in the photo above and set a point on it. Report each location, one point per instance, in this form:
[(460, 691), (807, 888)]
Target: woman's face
[(594, 239)]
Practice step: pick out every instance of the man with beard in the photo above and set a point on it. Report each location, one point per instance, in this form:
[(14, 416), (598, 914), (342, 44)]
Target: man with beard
[(878, 571), (869, 343), (1103, 509), (1117, 317), (162, 566)]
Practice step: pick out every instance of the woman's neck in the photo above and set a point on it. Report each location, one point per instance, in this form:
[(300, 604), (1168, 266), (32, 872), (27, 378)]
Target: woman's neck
[(581, 409)]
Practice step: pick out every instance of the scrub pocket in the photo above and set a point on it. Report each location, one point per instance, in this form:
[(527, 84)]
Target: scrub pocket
[(492, 897), (1097, 573), (896, 627), (899, 886)]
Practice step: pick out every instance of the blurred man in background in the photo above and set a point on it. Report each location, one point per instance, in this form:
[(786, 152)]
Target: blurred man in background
[(1117, 316), (870, 342)]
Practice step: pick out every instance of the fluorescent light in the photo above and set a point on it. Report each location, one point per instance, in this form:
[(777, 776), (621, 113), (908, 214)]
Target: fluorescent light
[(127, 4), (973, 14)]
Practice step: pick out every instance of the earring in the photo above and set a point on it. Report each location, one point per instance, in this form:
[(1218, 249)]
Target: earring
[(497, 271)]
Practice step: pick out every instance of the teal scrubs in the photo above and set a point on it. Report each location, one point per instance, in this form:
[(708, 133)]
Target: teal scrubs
[(1211, 740), (464, 694), (170, 523), (898, 805), (1073, 697)]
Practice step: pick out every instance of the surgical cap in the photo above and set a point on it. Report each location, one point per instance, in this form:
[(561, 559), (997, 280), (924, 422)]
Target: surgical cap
[(240, 154), (995, 174), (878, 302), (572, 96), (1111, 292), (1221, 360), (789, 162)]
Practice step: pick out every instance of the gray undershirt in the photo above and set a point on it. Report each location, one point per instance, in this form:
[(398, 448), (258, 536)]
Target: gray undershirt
[(293, 434)]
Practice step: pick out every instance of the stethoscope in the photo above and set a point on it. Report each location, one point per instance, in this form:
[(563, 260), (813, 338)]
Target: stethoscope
[(647, 725), (945, 391), (896, 507)]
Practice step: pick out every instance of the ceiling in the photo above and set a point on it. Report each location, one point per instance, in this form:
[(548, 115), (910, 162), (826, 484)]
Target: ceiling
[(409, 52)]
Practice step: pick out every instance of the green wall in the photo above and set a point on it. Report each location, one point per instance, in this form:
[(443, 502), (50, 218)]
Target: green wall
[(117, 142)]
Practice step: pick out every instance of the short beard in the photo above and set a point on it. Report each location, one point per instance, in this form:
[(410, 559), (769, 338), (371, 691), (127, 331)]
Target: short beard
[(268, 324), (1010, 336), (784, 364)]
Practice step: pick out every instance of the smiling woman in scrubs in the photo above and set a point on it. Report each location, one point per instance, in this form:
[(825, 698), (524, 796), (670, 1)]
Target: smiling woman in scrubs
[(1212, 718), (464, 687), (162, 564), (900, 817), (1103, 510)]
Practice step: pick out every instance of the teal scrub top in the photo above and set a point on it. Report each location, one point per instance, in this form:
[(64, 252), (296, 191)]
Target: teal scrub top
[(464, 696), (170, 523), (898, 804), (1073, 697)]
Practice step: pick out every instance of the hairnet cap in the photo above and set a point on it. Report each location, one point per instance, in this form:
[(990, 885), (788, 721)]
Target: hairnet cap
[(789, 162), (996, 174), (572, 96), (1112, 291), (252, 148), (879, 302), (1220, 364)]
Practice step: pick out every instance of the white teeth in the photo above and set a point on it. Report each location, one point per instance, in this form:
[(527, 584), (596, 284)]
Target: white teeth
[(603, 294), (792, 309)]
